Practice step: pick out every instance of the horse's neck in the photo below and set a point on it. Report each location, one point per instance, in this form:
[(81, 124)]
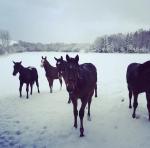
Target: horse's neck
[(47, 67), (21, 70)]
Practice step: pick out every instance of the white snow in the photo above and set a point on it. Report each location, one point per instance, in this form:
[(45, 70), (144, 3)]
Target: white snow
[(46, 120)]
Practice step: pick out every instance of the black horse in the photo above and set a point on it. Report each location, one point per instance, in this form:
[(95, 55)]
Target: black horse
[(138, 80), (81, 81), (27, 75), (61, 66), (51, 73)]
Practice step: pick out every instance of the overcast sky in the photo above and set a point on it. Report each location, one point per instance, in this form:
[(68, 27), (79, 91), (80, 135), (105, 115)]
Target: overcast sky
[(72, 20)]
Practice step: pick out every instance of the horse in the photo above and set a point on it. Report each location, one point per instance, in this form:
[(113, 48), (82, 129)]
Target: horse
[(61, 65), (81, 81), (51, 73), (27, 75), (138, 81)]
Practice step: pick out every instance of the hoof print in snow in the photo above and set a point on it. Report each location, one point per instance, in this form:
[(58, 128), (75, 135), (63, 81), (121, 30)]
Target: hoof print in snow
[(45, 127), (116, 127), (89, 118), (137, 117), (17, 122), (42, 132), (18, 132), (122, 100), (13, 143)]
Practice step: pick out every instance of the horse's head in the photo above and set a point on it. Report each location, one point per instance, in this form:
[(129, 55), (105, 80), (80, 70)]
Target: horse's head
[(44, 61), (72, 73), (17, 67), (60, 64)]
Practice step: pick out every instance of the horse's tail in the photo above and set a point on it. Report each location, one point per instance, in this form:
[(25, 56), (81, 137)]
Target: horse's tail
[(36, 73), (95, 90)]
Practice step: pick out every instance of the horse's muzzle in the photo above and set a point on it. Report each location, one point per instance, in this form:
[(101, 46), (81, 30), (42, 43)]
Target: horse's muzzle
[(70, 87)]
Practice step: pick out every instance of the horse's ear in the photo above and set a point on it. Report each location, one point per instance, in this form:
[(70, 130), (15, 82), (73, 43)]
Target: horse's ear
[(20, 62), (45, 57), (42, 57), (77, 58), (56, 59), (14, 62), (61, 58), (67, 57)]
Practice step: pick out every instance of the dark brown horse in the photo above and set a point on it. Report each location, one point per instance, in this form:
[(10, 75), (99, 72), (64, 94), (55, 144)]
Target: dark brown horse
[(61, 65), (27, 75), (50, 72), (81, 81), (138, 80)]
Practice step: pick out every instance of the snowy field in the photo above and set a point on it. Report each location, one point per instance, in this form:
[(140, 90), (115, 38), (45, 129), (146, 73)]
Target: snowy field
[(46, 120)]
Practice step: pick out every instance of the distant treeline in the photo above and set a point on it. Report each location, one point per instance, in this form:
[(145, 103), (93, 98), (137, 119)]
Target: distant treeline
[(137, 42)]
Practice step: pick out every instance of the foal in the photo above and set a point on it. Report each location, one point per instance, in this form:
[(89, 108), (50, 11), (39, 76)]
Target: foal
[(138, 80), (27, 75), (81, 81), (50, 72)]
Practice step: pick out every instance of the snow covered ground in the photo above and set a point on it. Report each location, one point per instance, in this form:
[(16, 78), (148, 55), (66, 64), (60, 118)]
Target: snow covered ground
[(46, 120)]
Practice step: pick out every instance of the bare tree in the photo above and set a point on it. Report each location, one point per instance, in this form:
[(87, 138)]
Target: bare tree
[(4, 39)]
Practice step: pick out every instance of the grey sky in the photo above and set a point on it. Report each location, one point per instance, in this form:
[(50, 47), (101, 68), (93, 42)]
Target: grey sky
[(71, 20)]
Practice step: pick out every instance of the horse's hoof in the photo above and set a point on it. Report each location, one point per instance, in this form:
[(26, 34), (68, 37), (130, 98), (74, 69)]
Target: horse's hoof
[(81, 135), (130, 107), (75, 126), (69, 102), (133, 116)]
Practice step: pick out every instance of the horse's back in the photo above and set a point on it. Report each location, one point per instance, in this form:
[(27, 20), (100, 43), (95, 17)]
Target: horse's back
[(132, 72), (136, 79), (33, 72), (88, 72)]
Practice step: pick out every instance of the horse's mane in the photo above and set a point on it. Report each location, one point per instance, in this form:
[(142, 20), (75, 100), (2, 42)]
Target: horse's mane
[(48, 62)]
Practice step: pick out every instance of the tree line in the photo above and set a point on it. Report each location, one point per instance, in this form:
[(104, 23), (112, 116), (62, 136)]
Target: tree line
[(135, 42)]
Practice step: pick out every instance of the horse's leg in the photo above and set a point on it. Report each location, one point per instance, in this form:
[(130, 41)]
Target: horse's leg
[(27, 89), (75, 111), (130, 97), (89, 105), (60, 80), (31, 86), (96, 90), (50, 85), (135, 104), (69, 100), (37, 84), (51, 88), (81, 115), (20, 88), (148, 102)]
